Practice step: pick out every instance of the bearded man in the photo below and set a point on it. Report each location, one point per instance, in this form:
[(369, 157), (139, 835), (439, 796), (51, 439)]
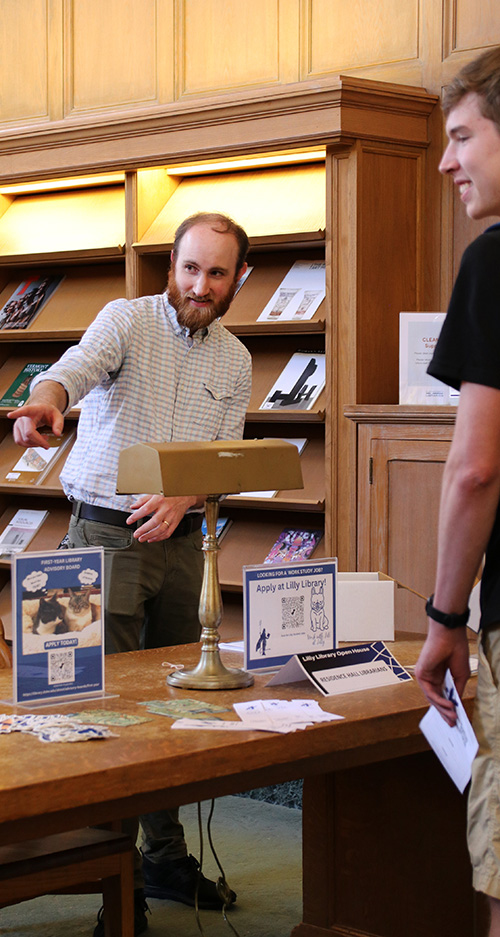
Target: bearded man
[(164, 368)]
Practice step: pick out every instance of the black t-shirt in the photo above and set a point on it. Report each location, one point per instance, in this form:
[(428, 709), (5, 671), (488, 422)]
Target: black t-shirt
[(468, 349)]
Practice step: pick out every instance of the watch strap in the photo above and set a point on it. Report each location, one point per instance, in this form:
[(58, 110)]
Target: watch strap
[(448, 619)]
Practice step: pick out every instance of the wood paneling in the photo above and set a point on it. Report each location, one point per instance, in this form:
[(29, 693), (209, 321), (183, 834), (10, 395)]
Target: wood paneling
[(249, 44), (470, 25), (117, 54), (24, 76), (352, 34)]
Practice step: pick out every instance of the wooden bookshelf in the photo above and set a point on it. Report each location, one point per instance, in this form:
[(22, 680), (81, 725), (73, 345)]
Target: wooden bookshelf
[(115, 240)]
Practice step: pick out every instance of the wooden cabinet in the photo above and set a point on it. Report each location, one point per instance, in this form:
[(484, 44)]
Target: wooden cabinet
[(401, 453), (339, 173)]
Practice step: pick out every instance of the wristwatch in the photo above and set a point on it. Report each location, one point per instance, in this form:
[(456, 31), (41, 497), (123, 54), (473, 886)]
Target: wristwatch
[(451, 620)]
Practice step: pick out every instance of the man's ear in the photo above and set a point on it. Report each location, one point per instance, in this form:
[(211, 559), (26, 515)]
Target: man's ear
[(241, 271)]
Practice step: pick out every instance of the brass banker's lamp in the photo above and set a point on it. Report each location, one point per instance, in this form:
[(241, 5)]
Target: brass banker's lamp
[(187, 468)]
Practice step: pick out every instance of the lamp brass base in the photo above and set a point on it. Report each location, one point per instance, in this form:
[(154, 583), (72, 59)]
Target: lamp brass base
[(210, 674)]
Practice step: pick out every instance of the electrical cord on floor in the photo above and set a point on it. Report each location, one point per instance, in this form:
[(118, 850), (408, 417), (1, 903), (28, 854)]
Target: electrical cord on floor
[(223, 889)]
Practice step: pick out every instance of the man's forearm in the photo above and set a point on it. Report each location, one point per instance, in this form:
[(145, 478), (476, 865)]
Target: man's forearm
[(51, 393)]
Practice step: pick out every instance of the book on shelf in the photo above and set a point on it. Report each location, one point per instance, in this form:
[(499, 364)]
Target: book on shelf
[(299, 294), (222, 527), (32, 466), (17, 394), (299, 384), (20, 531), (293, 545), (300, 443), (28, 300)]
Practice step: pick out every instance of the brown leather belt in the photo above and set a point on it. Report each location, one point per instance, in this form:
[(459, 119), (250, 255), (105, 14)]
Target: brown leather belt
[(94, 512)]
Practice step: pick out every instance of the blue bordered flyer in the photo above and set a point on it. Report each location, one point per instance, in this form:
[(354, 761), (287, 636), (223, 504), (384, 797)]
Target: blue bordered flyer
[(288, 609), (58, 625)]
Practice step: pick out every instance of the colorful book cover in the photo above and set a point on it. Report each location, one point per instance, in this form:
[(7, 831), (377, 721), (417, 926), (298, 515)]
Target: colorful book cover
[(293, 545), (17, 394), (27, 301), (222, 526)]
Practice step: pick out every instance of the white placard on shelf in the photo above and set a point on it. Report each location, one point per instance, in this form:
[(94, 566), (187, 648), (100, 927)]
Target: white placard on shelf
[(418, 334)]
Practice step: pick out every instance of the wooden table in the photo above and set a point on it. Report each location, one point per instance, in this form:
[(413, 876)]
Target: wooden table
[(383, 826)]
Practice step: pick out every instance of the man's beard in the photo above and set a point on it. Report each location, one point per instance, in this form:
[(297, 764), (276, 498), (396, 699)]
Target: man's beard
[(188, 316)]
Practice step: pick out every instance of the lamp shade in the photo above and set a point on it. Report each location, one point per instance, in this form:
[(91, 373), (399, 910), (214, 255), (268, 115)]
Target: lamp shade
[(220, 467)]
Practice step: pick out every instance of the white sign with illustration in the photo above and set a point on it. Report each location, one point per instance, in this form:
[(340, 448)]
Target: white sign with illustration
[(58, 626), (287, 609)]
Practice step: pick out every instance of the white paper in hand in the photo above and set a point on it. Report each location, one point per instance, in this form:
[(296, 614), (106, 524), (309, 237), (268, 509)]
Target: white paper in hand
[(455, 746)]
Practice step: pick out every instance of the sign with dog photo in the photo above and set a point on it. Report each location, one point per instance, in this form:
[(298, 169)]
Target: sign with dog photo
[(57, 614)]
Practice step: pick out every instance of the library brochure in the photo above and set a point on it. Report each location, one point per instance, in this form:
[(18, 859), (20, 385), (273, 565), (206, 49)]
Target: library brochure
[(287, 610), (34, 463), (345, 670), (418, 335), (299, 294), (299, 384), (20, 531), (293, 544), (57, 624), (17, 394), (455, 746), (27, 301)]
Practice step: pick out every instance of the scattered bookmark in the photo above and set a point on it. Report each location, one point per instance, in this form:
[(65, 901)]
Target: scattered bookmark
[(107, 717), (53, 728), (181, 707)]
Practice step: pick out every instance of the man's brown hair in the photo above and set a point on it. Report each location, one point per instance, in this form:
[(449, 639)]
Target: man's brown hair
[(218, 222), (481, 77)]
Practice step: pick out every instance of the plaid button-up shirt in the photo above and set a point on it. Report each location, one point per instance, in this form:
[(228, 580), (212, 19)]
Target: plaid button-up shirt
[(145, 379)]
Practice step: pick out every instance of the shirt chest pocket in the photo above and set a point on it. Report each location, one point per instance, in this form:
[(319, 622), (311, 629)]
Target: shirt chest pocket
[(215, 400)]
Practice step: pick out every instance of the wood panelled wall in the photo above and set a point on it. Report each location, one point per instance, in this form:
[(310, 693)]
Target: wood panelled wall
[(78, 62)]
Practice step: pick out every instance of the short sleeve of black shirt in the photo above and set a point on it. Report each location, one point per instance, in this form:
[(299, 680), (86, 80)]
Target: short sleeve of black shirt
[(468, 348)]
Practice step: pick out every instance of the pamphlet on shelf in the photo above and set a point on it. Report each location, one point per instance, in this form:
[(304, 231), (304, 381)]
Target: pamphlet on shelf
[(287, 609), (418, 335), (20, 531), (293, 544), (222, 526), (27, 301), (299, 294), (17, 394), (33, 464), (58, 627), (345, 670), (299, 384)]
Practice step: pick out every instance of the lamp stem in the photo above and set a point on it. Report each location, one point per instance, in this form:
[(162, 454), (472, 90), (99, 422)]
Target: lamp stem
[(210, 673)]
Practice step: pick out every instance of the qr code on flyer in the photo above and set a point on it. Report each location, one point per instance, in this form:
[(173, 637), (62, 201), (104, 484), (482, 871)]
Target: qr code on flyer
[(292, 612), (62, 666)]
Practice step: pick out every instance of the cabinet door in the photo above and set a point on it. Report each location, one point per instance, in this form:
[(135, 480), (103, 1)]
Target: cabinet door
[(404, 498)]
